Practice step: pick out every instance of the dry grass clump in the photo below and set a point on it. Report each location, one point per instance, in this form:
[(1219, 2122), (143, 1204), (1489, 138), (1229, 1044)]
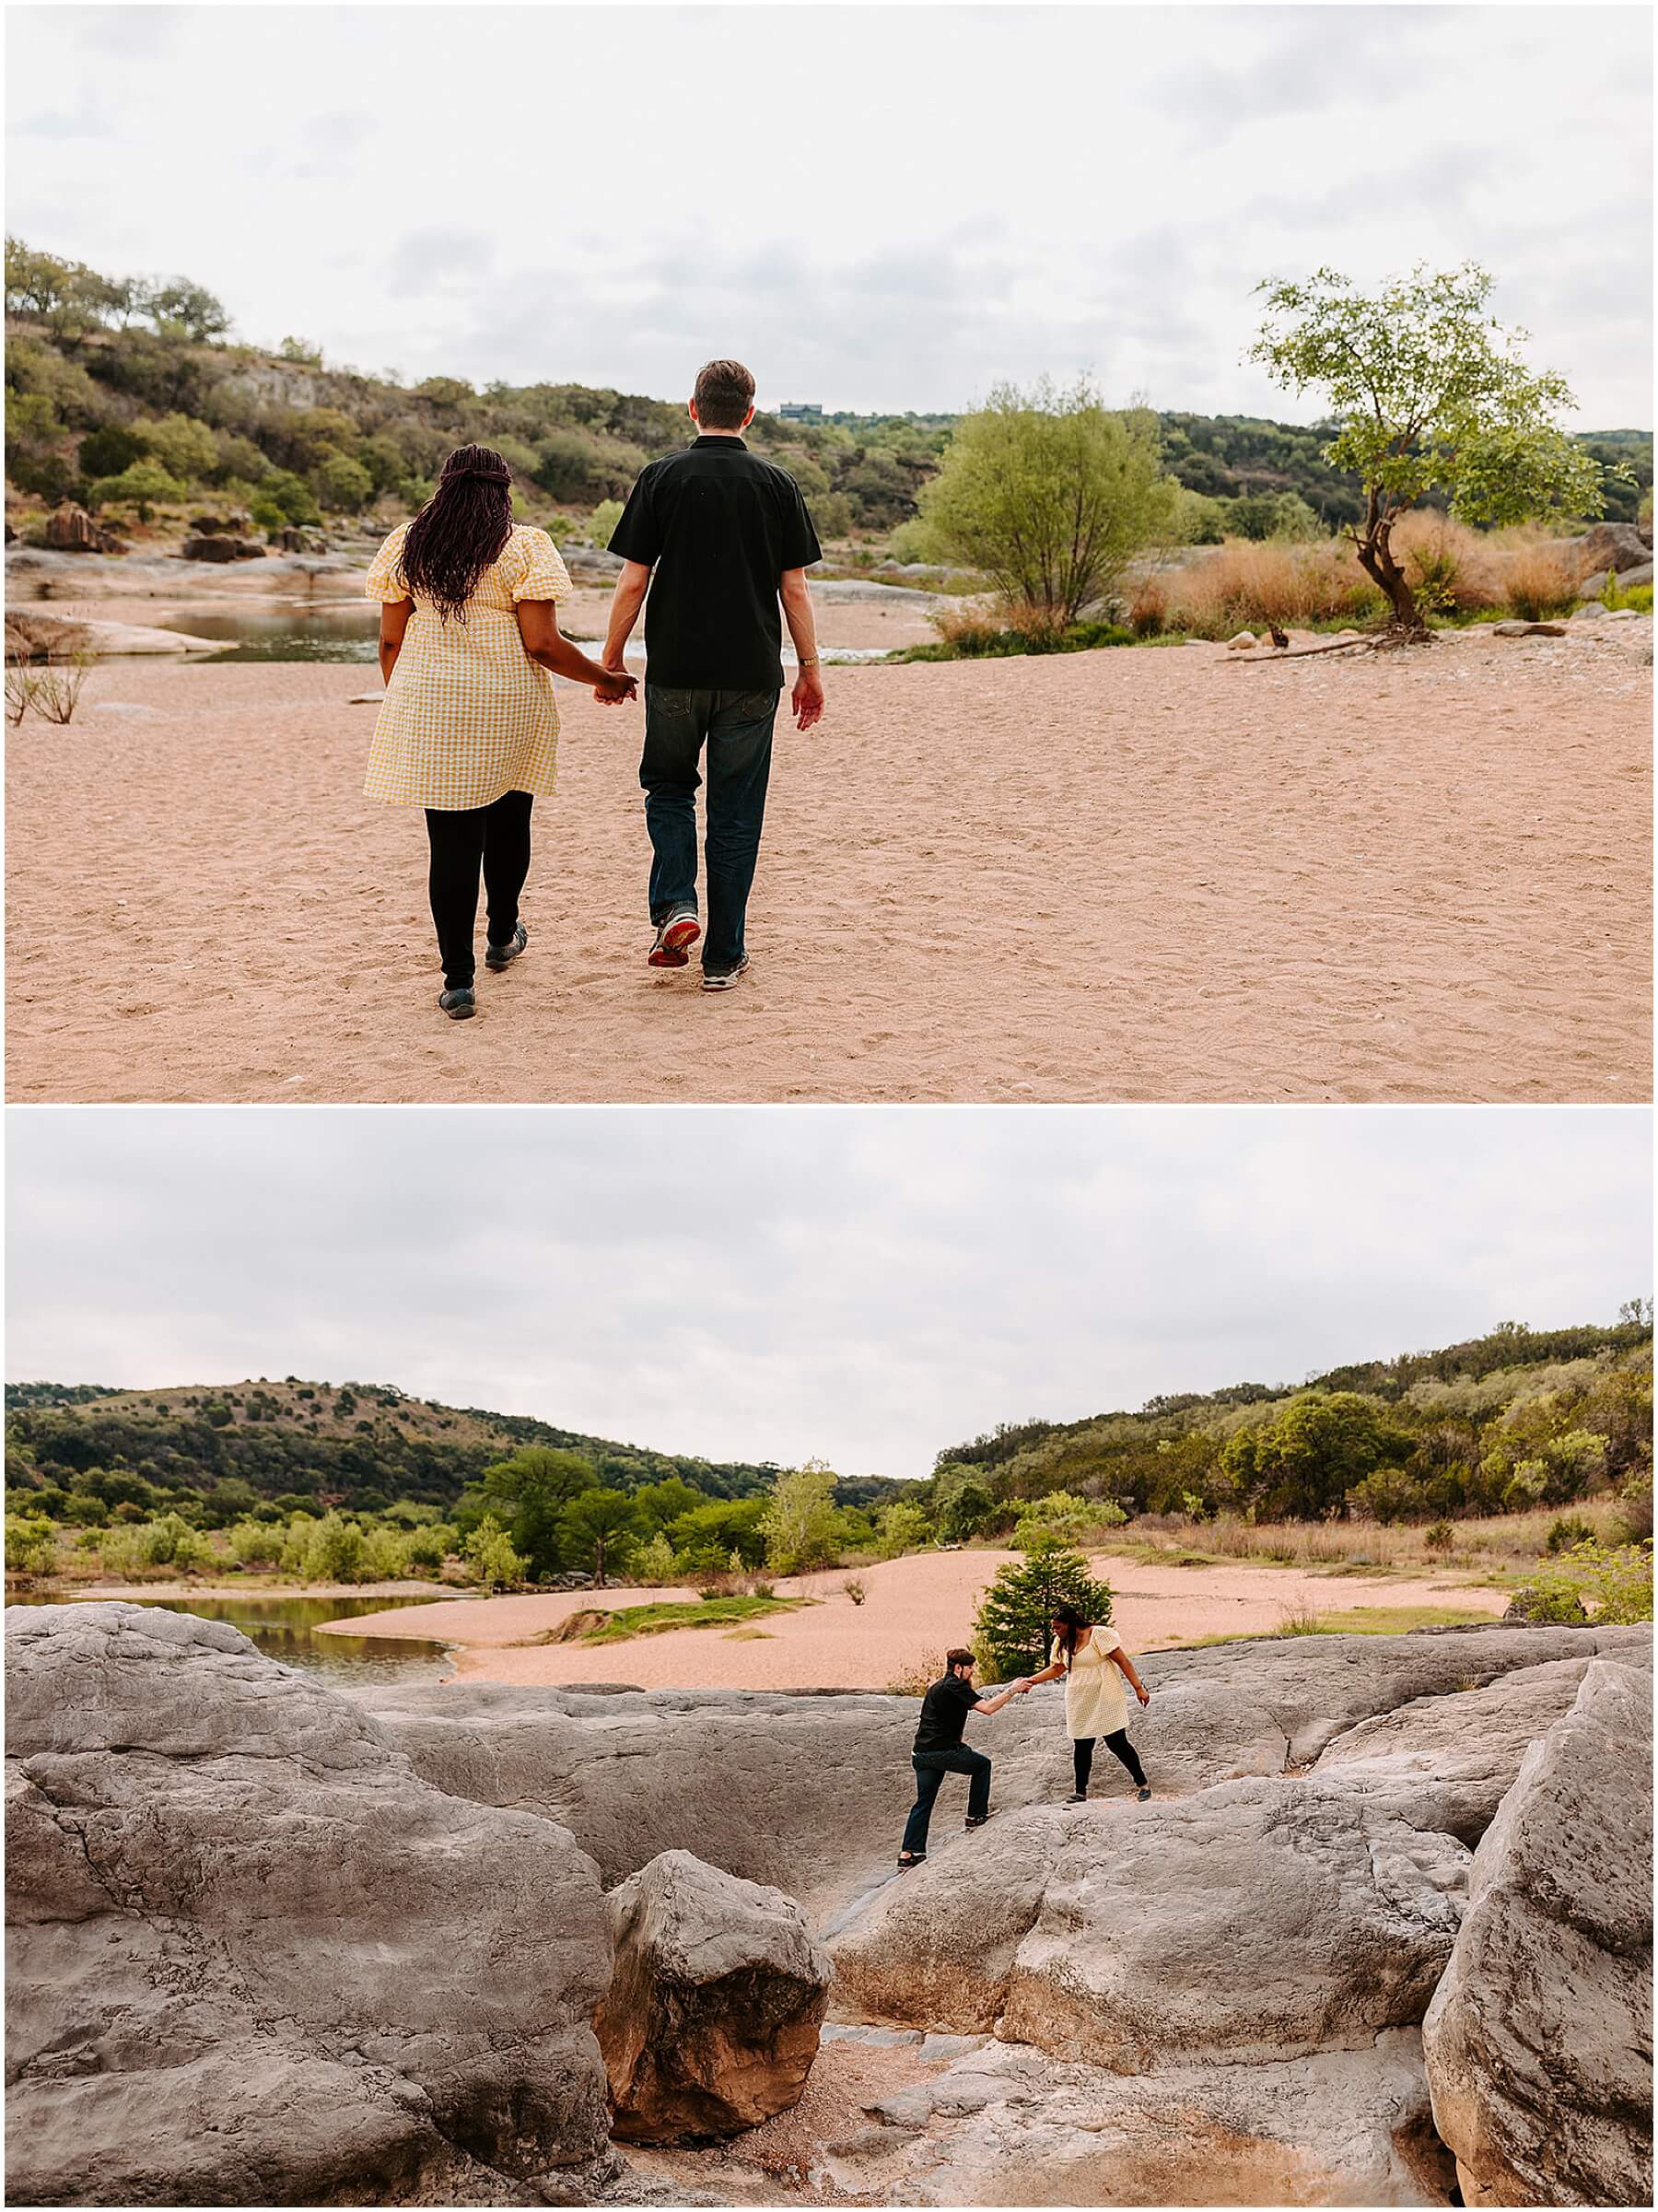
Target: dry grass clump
[(1541, 583), (1246, 585), (1337, 1547), (1449, 566)]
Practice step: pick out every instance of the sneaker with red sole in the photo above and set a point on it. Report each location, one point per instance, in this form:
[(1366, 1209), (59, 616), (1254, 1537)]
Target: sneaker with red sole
[(674, 941)]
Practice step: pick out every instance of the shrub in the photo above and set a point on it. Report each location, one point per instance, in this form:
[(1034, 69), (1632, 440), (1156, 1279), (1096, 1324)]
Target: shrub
[(1050, 496), (1635, 1509), (1060, 1518), (654, 1564), (427, 1549), (145, 485), (30, 1546), (1246, 586), (343, 485), (488, 1552), (856, 1591), (902, 1527), (385, 1555), (800, 1525), (1440, 1535), (1566, 1532), (255, 1543), (1610, 1584), (1010, 1630), (603, 521), (335, 1550)]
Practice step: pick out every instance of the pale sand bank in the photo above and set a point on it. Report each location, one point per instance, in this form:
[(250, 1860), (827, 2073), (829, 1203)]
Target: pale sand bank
[(1130, 874), (914, 1609)]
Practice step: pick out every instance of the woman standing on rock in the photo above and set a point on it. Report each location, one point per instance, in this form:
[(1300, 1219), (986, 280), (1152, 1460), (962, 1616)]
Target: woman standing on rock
[(469, 631), (1094, 1665)]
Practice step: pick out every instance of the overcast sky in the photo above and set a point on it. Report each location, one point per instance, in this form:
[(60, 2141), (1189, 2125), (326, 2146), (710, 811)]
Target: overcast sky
[(878, 207), (864, 1285)]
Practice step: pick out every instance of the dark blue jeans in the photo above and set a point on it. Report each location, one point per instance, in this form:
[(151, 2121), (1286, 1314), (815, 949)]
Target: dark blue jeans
[(930, 1769), (736, 726)]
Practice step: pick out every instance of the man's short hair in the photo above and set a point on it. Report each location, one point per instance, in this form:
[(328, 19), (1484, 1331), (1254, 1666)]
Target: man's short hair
[(724, 394), (959, 1658)]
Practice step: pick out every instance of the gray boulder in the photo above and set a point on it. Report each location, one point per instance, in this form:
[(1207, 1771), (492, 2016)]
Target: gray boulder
[(1257, 1920), (1528, 629), (1615, 546), (254, 1959), (1538, 2040), (711, 2022)]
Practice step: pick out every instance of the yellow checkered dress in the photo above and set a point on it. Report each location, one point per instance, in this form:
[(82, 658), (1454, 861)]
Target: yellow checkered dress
[(468, 715)]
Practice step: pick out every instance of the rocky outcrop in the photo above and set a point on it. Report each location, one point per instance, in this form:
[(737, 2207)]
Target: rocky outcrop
[(1005, 2125), (742, 1779), (1539, 2039), (1615, 545), (217, 548), (255, 1959), (711, 2022), (70, 529)]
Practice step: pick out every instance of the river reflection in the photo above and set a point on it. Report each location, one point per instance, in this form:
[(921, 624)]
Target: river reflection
[(285, 1629)]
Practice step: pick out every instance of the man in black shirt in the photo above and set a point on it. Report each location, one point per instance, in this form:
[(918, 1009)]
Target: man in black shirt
[(717, 536), (940, 1751)]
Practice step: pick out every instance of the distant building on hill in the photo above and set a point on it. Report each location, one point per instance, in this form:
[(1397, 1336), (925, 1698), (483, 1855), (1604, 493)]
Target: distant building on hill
[(800, 411)]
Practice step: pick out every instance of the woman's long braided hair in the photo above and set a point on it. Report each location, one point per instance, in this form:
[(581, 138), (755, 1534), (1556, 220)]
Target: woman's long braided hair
[(460, 531), (1070, 1625)]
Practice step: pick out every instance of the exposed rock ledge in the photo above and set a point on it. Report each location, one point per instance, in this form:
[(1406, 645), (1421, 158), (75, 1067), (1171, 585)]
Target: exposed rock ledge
[(274, 1945)]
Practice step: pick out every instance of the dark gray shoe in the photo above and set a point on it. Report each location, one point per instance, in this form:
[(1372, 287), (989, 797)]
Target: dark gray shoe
[(459, 1005), (726, 978), (1078, 1797), (499, 956), (1143, 1792)]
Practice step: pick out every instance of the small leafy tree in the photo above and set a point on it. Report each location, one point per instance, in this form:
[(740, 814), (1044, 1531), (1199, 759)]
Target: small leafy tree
[(1010, 1632), (488, 1552), (30, 1545), (528, 1494), (1051, 495), (603, 521), (600, 1525), (965, 1506), (801, 1525), (654, 1564), (902, 1527), (1430, 395), (144, 486)]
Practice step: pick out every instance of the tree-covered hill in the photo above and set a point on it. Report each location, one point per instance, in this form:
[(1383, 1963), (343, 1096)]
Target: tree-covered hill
[(363, 1445), (1518, 1418), (133, 396)]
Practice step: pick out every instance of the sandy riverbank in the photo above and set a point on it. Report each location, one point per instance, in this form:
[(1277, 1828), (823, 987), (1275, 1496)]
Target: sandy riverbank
[(915, 1609), (1103, 875)]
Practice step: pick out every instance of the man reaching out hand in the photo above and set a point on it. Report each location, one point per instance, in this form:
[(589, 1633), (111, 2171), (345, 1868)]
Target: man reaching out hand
[(718, 536)]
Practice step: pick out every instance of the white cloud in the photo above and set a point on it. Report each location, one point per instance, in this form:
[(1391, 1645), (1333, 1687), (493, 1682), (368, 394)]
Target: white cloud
[(873, 1284), (886, 207)]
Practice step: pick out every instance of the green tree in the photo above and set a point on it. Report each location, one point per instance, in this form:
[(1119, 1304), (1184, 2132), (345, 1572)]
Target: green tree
[(800, 1525), (1051, 495), (1430, 395), (904, 1527), (335, 1550), (186, 449), (144, 486), (1302, 1463), (181, 310), (1062, 1518), (600, 1525), (30, 1545), (965, 1506), (662, 1504), (1010, 1632), (654, 1562), (343, 486), (488, 1552), (528, 1494)]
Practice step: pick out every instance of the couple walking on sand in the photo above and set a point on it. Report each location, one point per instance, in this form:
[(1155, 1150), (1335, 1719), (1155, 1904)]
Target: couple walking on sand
[(1091, 1660), (470, 640)]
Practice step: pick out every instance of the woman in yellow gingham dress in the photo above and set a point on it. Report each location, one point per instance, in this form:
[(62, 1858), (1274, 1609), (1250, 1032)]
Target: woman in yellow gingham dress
[(469, 731)]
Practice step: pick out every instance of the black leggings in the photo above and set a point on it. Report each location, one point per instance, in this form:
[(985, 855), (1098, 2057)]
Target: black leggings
[(1082, 1750), (463, 839)]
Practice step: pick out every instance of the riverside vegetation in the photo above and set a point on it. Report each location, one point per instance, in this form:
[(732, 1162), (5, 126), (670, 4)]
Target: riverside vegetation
[(130, 398), (1521, 1459)]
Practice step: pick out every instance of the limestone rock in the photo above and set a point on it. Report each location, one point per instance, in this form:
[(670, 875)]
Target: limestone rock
[(1588, 610), (30, 637), (1538, 2041), (711, 2022), (254, 1959), (1615, 546), (216, 547), (70, 529), (1528, 629), (1005, 2125), (1242, 643)]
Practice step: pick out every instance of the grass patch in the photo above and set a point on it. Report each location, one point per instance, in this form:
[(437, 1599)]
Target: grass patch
[(657, 1620), (1362, 1620), (972, 642)]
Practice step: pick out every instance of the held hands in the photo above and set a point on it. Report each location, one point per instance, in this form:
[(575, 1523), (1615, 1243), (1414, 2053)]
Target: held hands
[(618, 686), (807, 698)]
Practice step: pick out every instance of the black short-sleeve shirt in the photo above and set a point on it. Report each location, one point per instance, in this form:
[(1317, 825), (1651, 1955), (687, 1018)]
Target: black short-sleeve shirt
[(718, 526), (944, 1711)]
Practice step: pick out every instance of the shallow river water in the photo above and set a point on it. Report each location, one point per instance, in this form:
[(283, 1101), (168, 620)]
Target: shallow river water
[(285, 1628)]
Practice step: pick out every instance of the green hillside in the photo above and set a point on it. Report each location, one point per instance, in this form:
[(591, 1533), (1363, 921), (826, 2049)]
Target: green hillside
[(223, 1450), (134, 399), (1517, 1419)]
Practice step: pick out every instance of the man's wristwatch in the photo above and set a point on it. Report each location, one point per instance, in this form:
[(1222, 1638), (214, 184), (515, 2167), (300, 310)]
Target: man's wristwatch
[(815, 661)]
